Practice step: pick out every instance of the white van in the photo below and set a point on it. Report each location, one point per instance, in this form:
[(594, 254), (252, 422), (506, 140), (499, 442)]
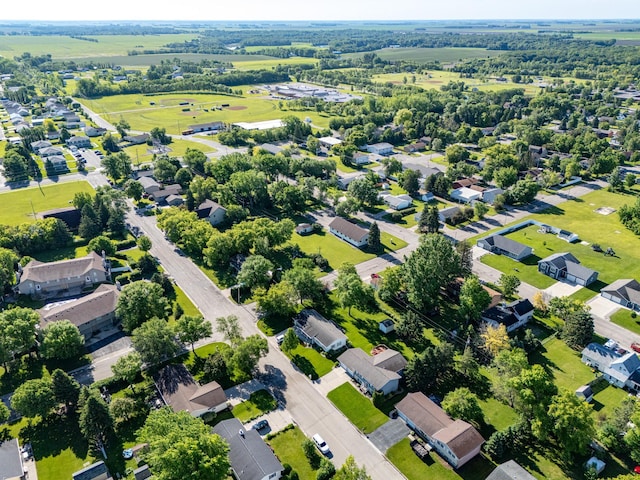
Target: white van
[(320, 443)]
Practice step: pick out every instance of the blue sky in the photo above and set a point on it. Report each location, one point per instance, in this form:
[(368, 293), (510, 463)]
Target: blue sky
[(318, 10)]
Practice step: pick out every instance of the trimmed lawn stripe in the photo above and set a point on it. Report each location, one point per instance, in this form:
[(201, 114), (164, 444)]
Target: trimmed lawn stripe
[(357, 408)]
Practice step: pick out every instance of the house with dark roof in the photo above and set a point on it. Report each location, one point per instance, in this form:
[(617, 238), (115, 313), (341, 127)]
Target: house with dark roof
[(61, 278), (565, 265), (181, 392), (625, 292), (50, 152), (621, 370), (142, 473), (39, 145), (136, 139), (94, 131), (95, 471), (455, 440), (501, 245), (78, 141), (149, 184), (207, 127), (510, 471), (167, 191), (349, 232), (69, 215), (315, 329), (90, 313), (448, 213), (377, 373), (11, 467), (512, 315), (211, 211), (250, 457)]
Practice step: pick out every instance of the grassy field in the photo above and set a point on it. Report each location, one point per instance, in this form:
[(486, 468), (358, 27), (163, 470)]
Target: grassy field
[(624, 318), (259, 403), (310, 361), (425, 55), (527, 272), (140, 153), (27, 200), (66, 47), (357, 408), (287, 446), (167, 112)]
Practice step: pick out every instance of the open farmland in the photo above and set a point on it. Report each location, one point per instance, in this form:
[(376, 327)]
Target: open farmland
[(425, 55), (168, 113), (72, 48)]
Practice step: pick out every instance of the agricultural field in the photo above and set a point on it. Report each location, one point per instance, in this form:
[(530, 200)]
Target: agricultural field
[(166, 111), (38, 199), (62, 47), (426, 55)]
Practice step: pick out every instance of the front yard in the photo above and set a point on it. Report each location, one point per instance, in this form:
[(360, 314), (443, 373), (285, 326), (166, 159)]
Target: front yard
[(287, 445), (310, 361), (259, 403), (357, 408), (626, 318)]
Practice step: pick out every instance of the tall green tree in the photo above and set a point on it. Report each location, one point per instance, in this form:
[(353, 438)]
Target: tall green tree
[(128, 368), (191, 328), (62, 340), (5, 413), (34, 398), (429, 220), (463, 404), (280, 300), (351, 291), (8, 261), (410, 181), (17, 332), (474, 299), (245, 356), (572, 423), (183, 448), (256, 271), (230, 328), (351, 471), (373, 241), (509, 284), (304, 282), (535, 390), (290, 341), (428, 269), (95, 419), (138, 302), (578, 329), (133, 189), (65, 388), (154, 340)]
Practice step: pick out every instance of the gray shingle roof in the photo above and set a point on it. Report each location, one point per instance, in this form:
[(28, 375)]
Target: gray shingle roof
[(506, 244), (348, 229), (316, 326), (510, 471), (357, 360), (10, 462), (101, 302), (627, 289), (250, 457), (42, 272)]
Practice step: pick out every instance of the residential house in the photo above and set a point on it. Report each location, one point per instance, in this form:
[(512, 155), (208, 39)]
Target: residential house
[(345, 179), (137, 139), (80, 142), (360, 158), (149, 184), (501, 245), (57, 163), (455, 440), (181, 392), (304, 228), (167, 191), (349, 232), (427, 197), (207, 127), (466, 195), (50, 152), (63, 277), (315, 329), (142, 473), (69, 215), (510, 471), (585, 392), (94, 131), (95, 471), (91, 313), (329, 142), (625, 292), (211, 211), (618, 369), (565, 265), (415, 147), (464, 182), (398, 202), (448, 213), (11, 467), (380, 148), (39, 145), (372, 377), (490, 194), (250, 457), (512, 315), (270, 148), (174, 200)]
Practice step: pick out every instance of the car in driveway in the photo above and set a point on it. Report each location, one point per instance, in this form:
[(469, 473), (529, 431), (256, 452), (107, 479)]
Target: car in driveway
[(321, 444), (260, 425)]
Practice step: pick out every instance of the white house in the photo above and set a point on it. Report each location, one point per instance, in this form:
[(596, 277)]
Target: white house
[(465, 195), (380, 148), (490, 194), (398, 202), (329, 142), (349, 232), (80, 142), (360, 158), (363, 368), (619, 370)]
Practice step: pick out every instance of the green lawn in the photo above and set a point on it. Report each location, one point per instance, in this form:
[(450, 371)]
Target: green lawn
[(526, 271), (25, 201), (625, 318), (434, 467), (177, 148), (497, 414), (357, 408), (564, 364), (585, 294), (310, 361), (185, 302), (287, 446), (259, 403)]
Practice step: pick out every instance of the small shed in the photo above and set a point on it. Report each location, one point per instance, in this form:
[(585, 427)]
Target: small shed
[(387, 325), (303, 228), (585, 393)]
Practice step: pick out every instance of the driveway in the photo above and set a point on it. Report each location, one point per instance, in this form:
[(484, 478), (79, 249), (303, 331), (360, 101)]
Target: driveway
[(331, 381), (601, 307), (561, 289), (389, 434)]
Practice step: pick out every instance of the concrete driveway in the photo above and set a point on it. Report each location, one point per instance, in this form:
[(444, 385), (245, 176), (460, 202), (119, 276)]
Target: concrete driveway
[(601, 307), (331, 381), (389, 434), (561, 289)]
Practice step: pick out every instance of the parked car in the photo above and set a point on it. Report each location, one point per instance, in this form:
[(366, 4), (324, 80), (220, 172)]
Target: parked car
[(260, 425), (280, 339), (635, 347), (321, 444)]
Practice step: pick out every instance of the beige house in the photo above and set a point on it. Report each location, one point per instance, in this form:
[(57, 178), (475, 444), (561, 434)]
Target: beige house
[(90, 313), (62, 278)]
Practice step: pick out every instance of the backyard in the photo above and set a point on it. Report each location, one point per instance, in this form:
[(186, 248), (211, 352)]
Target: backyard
[(25, 201), (357, 408)]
